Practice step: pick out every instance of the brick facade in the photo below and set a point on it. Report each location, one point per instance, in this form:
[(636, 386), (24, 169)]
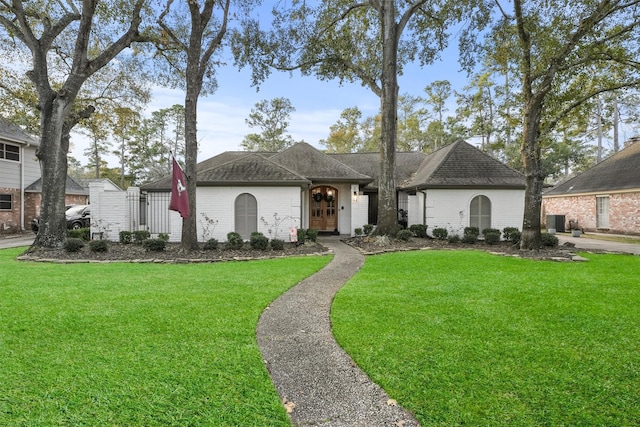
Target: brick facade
[(32, 202), (624, 211), (10, 219)]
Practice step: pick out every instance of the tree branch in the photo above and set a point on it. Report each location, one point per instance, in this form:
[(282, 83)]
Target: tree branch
[(168, 31), (406, 16), (131, 35), (561, 115), (217, 41)]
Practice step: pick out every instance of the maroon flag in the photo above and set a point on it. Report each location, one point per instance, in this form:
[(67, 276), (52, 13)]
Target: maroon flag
[(179, 198)]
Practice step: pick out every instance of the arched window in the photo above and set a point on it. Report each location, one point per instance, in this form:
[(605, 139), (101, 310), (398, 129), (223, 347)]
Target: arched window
[(480, 213), (246, 215)]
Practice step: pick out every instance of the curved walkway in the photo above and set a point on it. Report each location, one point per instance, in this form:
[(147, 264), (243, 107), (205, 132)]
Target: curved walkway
[(316, 379)]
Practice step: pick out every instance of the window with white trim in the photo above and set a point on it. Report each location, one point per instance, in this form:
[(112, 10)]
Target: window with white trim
[(480, 213), (602, 211), (9, 152), (6, 202)]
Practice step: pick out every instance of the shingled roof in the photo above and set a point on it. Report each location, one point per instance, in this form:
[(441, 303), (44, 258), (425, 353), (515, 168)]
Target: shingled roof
[(71, 187), (316, 165), (456, 165), (250, 169), (618, 172), (13, 133), (369, 164), (460, 164)]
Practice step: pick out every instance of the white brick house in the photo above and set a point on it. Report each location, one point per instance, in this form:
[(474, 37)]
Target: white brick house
[(455, 187)]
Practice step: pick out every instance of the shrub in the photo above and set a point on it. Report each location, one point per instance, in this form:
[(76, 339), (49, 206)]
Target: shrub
[(440, 233), (312, 235), (491, 235), (511, 234), (98, 246), (73, 244), (454, 238), (140, 236), (210, 245), (125, 237), (234, 240), (404, 235), (302, 235), (549, 240), (470, 235), (419, 230), (277, 244), (163, 236), (258, 241), (80, 233), (367, 228), (357, 231), (154, 245)]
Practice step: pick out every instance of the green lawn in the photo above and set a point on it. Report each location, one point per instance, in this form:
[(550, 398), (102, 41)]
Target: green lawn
[(138, 344), (469, 338)]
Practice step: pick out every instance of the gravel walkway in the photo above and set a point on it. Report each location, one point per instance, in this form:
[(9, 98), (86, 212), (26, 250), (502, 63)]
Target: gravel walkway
[(318, 382)]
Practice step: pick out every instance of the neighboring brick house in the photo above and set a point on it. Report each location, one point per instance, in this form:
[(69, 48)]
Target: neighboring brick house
[(75, 194), (18, 168), (603, 198), (20, 180)]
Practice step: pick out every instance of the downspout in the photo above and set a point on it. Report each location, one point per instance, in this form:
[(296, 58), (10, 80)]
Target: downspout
[(22, 187), (424, 206)]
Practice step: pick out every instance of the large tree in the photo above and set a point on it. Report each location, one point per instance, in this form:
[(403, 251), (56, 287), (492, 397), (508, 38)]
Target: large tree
[(566, 54), (367, 42), (190, 35), (272, 117), (68, 42)]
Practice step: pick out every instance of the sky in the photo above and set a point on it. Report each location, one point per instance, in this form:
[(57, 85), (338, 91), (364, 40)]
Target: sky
[(318, 104)]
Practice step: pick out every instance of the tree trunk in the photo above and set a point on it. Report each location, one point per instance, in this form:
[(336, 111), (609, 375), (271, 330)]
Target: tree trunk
[(52, 155), (534, 175), (189, 240), (387, 205)]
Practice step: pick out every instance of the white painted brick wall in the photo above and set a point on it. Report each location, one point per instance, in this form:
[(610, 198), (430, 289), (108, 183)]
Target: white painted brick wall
[(108, 211), (218, 204), (450, 208), (359, 212)]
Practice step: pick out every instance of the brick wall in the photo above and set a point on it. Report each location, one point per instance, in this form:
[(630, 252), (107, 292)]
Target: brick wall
[(624, 211), (32, 202), (10, 219)]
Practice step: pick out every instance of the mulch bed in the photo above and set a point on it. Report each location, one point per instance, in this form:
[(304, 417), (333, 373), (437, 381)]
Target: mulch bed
[(372, 246), (172, 254), (367, 245)]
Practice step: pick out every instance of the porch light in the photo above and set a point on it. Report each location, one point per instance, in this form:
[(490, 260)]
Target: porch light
[(355, 196), (330, 193)]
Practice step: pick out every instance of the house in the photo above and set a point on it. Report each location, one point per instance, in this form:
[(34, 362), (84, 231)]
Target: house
[(18, 168), (604, 198), (75, 194), (454, 187), (21, 182)]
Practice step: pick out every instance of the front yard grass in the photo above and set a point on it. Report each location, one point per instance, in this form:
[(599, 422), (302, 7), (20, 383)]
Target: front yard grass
[(138, 344), (469, 338)]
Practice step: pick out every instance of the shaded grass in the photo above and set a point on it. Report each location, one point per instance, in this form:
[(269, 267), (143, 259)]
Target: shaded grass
[(138, 344), (468, 338)]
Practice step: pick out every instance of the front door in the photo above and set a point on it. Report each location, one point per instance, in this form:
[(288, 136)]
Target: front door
[(323, 212)]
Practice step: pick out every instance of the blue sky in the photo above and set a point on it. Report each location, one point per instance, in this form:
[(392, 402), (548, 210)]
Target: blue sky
[(318, 104)]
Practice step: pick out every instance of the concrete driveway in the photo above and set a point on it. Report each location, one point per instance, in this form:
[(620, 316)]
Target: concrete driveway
[(25, 239), (601, 245)]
